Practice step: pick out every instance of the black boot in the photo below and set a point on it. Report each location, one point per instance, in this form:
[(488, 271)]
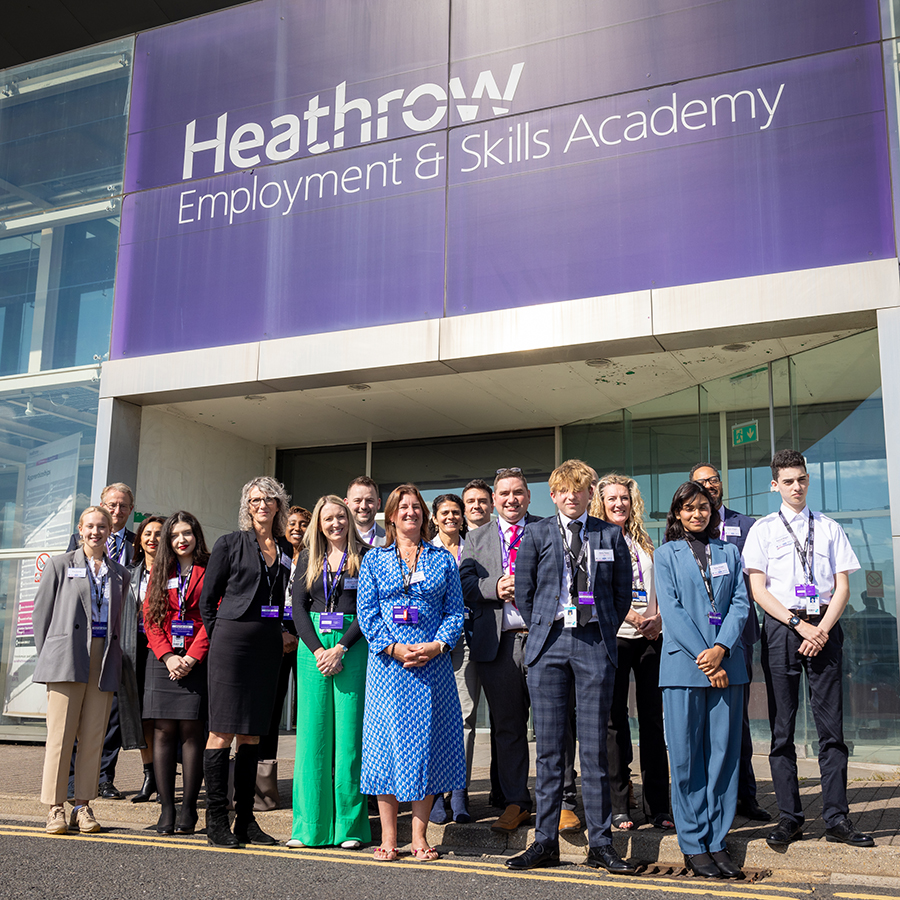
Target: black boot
[(148, 788), (246, 828), (215, 770)]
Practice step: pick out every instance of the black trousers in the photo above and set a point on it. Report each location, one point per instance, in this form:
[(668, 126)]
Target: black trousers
[(783, 667), (641, 656)]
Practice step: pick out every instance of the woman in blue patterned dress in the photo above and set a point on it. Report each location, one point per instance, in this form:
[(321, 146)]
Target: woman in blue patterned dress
[(410, 609)]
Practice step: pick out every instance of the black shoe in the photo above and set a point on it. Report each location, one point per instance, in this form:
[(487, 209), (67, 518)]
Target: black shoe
[(845, 833), (166, 823), (148, 788), (459, 807), (108, 791), (605, 857), (726, 864), (702, 864), (535, 857), (218, 832), (186, 822), (750, 809), (784, 833), (497, 800), (251, 833)]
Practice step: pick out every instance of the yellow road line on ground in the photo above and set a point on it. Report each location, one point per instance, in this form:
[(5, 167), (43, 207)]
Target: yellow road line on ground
[(867, 896), (601, 879)]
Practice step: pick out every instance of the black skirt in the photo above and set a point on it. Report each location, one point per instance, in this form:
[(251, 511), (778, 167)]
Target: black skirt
[(167, 699), (244, 662)]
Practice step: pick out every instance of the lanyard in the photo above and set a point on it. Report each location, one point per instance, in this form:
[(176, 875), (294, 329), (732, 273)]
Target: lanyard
[(405, 573), (329, 607), (573, 563), (805, 554), (271, 578), (183, 581), (98, 588), (506, 550), (635, 561), (703, 575)]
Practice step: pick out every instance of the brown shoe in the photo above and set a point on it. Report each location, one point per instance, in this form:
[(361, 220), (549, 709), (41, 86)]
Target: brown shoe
[(56, 820), (513, 816), (83, 820), (568, 821)]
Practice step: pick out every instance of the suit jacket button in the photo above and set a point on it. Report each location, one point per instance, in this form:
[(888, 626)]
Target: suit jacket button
[(77, 625)]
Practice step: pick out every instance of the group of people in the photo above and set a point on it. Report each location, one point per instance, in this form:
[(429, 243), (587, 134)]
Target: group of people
[(394, 631)]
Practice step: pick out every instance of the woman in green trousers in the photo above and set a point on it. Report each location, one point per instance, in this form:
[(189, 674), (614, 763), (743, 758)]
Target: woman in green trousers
[(329, 810)]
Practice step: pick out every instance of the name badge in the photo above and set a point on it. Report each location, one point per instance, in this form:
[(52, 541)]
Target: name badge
[(718, 570), (286, 561), (784, 542), (585, 598), (75, 572), (270, 612), (417, 577), (570, 617), (172, 583), (813, 607), (98, 629), (715, 618), (805, 590), (288, 610), (604, 555), (406, 615), (467, 614), (178, 642), (183, 627), (732, 531), (639, 597), (331, 621), (351, 583)]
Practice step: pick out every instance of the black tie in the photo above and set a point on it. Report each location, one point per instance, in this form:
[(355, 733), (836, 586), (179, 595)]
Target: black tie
[(579, 576)]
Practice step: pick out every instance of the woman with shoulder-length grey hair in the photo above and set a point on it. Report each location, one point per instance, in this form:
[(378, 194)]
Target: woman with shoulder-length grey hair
[(242, 607)]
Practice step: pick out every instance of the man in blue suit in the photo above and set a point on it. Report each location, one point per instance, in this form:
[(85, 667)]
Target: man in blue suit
[(573, 589), (733, 529)]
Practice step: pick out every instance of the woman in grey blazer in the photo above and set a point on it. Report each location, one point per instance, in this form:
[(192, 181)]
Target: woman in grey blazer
[(77, 619)]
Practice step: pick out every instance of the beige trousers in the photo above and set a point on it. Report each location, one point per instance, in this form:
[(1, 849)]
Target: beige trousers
[(82, 711)]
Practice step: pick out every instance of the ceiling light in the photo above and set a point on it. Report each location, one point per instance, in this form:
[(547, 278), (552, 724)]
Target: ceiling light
[(598, 363), (359, 387), (736, 348)]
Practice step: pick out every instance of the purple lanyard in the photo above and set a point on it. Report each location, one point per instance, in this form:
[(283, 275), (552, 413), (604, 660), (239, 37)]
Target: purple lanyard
[(334, 581), (506, 552), (636, 558), (183, 581)]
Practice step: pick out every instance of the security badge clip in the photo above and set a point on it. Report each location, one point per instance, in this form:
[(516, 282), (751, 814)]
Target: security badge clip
[(570, 616), (810, 595), (715, 618), (270, 612), (333, 621), (406, 615), (98, 629)]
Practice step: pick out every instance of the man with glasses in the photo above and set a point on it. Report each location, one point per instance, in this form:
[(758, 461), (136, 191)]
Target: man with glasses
[(734, 528), (496, 633), (118, 500)]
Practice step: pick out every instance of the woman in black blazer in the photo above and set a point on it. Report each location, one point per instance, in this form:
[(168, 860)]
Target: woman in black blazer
[(242, 606)]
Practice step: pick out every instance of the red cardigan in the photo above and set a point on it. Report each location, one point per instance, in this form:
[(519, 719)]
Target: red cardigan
[(160, 639)]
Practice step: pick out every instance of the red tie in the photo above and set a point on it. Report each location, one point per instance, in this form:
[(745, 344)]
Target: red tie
[(513, 547)]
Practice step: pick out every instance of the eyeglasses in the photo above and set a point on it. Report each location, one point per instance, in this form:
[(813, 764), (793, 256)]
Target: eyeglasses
[(707, 481), (260, 501), (112, 506), (515, 470)]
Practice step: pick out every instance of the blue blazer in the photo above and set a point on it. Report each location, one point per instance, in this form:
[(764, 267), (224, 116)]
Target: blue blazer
[(684, 604), (539, 581)]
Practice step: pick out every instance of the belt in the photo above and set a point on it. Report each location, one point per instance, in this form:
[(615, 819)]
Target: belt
[(802, 614), (515, 631)]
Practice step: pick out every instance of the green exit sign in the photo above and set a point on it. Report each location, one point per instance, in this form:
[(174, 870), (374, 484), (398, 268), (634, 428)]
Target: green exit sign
[(748, 433)]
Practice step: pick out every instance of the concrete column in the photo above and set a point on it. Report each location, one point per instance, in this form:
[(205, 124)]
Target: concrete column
[(118, 441)]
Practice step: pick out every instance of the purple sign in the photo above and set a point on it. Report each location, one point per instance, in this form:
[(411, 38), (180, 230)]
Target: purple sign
[(317, 169)]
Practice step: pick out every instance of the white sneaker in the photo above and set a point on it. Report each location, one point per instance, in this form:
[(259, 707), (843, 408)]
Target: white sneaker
[(350, 845), (83, 820), (56, 820), (293, 842)]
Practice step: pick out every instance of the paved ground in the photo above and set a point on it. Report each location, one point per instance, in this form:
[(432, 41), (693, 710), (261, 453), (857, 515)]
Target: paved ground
[(874, 804)]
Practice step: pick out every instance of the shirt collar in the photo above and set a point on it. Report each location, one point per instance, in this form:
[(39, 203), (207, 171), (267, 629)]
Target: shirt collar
[(566, 520), (792, 516), (505, 526), (367, 536)]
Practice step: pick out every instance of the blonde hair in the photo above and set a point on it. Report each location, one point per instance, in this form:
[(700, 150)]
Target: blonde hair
[(574, 474), (94, 509), (121, 488), (317, 544), (634, 527)]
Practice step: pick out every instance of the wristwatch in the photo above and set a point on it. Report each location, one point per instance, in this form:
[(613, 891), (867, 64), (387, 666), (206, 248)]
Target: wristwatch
[(445, 647), (793, 622)]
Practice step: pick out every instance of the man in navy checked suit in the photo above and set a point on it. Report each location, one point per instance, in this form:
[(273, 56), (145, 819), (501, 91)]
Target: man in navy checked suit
[(573, 589)]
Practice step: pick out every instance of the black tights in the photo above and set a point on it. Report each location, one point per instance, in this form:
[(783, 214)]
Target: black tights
[(167, 734)]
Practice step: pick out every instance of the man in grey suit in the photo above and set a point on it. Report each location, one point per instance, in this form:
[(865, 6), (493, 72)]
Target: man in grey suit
[(496, 634), (573, 588), (364, 500)]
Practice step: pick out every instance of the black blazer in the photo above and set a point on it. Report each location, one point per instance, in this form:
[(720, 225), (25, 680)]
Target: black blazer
[(733, 518), (233, 574)]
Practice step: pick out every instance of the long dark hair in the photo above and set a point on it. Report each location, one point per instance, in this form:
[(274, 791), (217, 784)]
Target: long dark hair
[(687, 492), (137, 558), (157, 602), (440, 500)]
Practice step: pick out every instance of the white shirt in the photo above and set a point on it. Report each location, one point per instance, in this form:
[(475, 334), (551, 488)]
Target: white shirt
[(512, 621), (437, 542), (627, 630), (368, 536), (771, 549), (567, 575), (100, 585)]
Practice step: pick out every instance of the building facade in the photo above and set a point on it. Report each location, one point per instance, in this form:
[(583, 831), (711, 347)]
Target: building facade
[(426, 241)]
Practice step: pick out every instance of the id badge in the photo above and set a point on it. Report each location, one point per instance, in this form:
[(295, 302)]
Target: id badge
[(804, 591), (288, 610), (350, 584), (585, 598), (715, 618), (178, 642), (406, 615), (718, 570), (604, 554), (171, 584), (813, 607), (183, 627), (75, 572), (329, 621), (98, 629), (570, 616), (732, 531), (638, 596), (467, 614), (417, 577), (270, 612)]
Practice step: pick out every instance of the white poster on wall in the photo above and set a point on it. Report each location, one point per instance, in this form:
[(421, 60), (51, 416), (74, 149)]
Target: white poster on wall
[(51, 480)]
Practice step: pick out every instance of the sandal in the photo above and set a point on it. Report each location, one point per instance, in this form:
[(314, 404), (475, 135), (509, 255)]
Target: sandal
[(426, 854), (623, 822), (386, 854), (663, 822)]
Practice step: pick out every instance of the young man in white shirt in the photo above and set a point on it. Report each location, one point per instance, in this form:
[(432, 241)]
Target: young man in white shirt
[(799, 563)]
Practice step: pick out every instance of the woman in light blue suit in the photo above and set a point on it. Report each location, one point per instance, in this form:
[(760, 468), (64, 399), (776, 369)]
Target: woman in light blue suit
[(703, 601)]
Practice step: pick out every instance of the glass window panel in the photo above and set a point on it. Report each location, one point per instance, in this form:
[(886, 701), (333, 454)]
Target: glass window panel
[(307, 474), (19, 256), (63, 129)]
